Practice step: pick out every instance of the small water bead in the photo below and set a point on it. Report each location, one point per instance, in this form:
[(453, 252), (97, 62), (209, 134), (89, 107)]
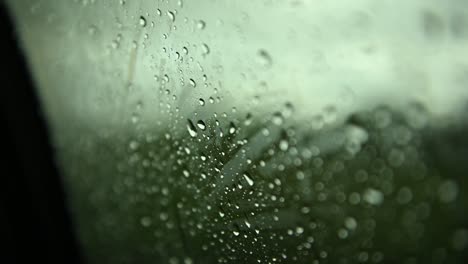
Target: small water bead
[(142, 21), (115, 44), (417, 115), (191, 128), (299, 230), (201, 101), (135, 119), (342, 233), (283, 145), (373, 196), (248, 179), (264, 58), (354, 198), (205, 49), (405, 195), (187, 150), (171, 15), (448, 191), (396, 157), (193, 83), (247, 224), (201, 125), (248, 119), (330, 114), (185, 50), (363, 256), (201, 24), (232, 128), (277, 118), (288, 109), (145, 221), (361, 176)]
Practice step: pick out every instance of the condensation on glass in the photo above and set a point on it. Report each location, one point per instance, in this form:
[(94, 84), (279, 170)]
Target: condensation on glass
[(268, 131)]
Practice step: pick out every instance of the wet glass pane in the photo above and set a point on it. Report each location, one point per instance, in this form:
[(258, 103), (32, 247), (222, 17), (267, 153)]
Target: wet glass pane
[(266, 131)]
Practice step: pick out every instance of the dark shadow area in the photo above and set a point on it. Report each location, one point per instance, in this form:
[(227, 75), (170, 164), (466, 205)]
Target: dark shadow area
[(34, 221)]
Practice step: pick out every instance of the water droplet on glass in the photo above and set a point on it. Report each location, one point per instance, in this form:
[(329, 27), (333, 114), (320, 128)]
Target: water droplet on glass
[(115, 44), (448, 191), (396, 157), (166, 78), (193, 83), (201, 24), (247, 224), (163, 216), (277, 119), (248, 179), (342, 233), (330, 114), (187, 150), (405, 195), (142, 21), (201, 102), (232, 128), (205, 49), (201, 125), (283, 145), (288, 109), (145, 221), (248, 119), (171, 15), (350, 223), (373, 196), (191, 128), (264, 58), (299, 230)]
